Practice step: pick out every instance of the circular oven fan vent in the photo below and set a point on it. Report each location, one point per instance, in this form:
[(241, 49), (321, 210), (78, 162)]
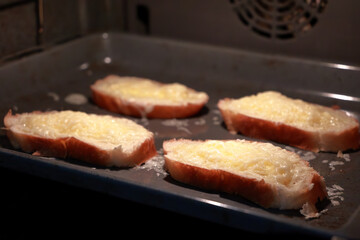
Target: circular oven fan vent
[(280, 19)]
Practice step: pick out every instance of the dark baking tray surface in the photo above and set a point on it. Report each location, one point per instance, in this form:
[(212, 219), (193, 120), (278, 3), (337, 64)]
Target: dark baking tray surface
[(59, 78)]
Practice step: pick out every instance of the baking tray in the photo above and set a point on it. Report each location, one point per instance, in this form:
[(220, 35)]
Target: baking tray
[(58, 78)]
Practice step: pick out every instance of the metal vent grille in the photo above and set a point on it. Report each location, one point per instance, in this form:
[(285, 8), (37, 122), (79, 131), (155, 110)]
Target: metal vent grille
[(280, 19)]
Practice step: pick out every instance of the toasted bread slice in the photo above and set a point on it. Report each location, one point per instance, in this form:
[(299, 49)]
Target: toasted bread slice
[(273, 116), (142, 97), (101, 140), (261, 172)]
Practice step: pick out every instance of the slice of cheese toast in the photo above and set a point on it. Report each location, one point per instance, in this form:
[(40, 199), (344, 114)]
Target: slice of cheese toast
[(101, 140), (273, 116), (142, 97), (261, 172)]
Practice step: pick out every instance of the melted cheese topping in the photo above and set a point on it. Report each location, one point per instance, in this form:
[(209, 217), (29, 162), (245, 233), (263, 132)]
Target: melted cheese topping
[(132, 88), (276, 107), (107, 131), (254, 159)]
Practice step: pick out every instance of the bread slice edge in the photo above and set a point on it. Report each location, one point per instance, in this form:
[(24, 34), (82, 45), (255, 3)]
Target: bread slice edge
[(72, 147), (315, 141), (138, 108), (265, 194)]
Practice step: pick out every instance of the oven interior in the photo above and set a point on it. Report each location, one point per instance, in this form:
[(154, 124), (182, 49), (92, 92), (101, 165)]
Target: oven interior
[(305, 49)]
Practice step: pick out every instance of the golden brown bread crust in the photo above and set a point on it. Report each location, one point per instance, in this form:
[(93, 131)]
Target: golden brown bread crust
[(118, 105), (318, 191), (71, 147), (219, 180), (282, 133), (257, 190)]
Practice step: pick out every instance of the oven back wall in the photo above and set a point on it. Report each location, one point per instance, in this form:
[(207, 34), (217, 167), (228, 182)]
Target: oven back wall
[(324, 30), (28, 26)]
